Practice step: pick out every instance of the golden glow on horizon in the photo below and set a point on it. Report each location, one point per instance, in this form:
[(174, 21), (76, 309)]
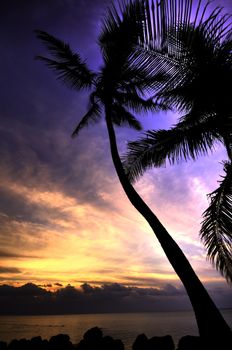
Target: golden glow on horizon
[(73, 242)]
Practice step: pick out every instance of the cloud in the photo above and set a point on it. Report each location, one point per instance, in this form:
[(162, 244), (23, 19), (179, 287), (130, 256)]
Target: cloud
[(6, 255), (7, 270), (32, 299)]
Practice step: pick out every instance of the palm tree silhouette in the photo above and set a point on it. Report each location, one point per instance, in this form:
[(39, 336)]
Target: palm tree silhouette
[(201, 58), (122, 83)]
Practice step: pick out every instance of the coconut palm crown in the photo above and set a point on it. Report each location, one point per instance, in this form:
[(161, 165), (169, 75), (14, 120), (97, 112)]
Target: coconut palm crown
[(198, 56), (119, 79)]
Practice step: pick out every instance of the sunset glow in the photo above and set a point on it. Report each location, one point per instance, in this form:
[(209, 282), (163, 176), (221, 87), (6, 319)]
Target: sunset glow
[(64, 217)]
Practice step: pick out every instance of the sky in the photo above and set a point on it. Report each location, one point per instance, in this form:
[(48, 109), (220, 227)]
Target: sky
[(65, 224)]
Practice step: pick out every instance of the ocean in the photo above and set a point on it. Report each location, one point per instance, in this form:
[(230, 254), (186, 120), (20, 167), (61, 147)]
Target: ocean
[(121, 326)]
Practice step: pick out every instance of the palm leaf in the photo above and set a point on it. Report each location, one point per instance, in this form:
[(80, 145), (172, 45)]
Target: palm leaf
[(165, 18), (186, 140), (216, 231), (201, 79), (137, 103), (92, 116), (177, 38), (120, 116), (69, 66), (138, 77), (121, 33), (121, 30)]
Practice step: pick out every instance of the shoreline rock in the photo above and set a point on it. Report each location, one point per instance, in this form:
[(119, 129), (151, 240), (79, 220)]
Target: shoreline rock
[(93, 339)]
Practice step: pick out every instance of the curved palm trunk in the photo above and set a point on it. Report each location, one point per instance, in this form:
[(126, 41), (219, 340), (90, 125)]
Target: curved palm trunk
[(212, 327)]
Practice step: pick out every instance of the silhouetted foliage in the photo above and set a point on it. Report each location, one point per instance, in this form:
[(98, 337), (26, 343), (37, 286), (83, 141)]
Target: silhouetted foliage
[(196, 56)]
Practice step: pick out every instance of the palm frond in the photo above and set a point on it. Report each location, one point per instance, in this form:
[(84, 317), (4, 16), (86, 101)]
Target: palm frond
[(92, 116), (216, 231), (138, 76), (182, 142), (184, 43), (69, 66), (201, 79), (120, 31), (120, 117), (165, 18), (138, 104)]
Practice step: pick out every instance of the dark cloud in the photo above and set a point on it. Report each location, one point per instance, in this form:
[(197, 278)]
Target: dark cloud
[(48, 285), (26, 290), (35, 130), (18, 242), (20, 209), (16, 207), (143, 281), (7, 254), (32, 299), (7, 270)]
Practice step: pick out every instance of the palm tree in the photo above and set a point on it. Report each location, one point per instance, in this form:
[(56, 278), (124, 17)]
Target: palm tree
[(122, 83), (201, 57)]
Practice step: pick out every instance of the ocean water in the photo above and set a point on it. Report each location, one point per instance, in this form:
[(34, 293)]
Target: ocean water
[(121, 326)]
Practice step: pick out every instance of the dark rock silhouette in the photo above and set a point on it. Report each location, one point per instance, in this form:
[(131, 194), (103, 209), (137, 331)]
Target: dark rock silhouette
[(155, 343), (21, 344), (37, 343), (93, 334), (60, 342), (93, 340), (57, 342), (161, 343), (3, 345), (110, 343), (190, 342), (141, 342), (118, 344)]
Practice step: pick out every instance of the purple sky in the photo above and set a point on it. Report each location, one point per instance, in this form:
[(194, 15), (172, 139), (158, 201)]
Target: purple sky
[(64, 218)]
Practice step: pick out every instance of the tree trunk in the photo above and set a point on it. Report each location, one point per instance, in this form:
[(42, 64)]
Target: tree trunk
[(213, 329)]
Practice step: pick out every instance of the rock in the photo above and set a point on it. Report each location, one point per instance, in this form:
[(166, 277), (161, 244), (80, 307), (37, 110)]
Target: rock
[(13, 344), (161, 343), (25, 344), (3, 345), (118, 344), (45, 344), (112, 344), (21, 344), (37, 340), (37, 343), (140, 343), (81, 345), (93, 334), (92, 340), (60, 341), (190, 342)]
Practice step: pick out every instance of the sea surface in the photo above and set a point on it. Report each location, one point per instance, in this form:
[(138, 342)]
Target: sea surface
[(121, 326)]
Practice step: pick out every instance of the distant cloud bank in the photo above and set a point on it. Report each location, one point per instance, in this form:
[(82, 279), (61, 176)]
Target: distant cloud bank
[(32, 299)]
